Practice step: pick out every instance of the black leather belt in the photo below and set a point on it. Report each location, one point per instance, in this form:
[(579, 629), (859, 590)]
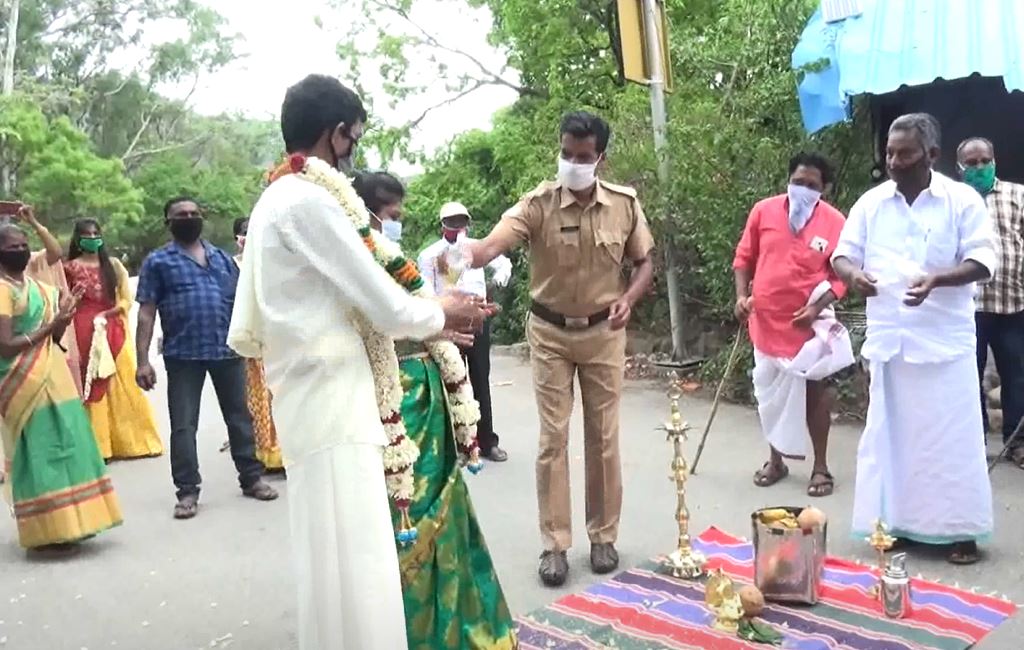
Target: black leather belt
[(567, 322)]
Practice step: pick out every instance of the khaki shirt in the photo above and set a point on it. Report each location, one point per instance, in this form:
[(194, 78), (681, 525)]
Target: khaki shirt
[(577, 252)]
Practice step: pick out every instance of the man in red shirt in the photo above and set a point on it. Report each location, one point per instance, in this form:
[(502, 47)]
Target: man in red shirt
[(785, 287)]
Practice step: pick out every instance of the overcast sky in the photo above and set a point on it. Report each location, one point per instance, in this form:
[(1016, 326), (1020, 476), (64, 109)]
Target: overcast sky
[(284, 45)]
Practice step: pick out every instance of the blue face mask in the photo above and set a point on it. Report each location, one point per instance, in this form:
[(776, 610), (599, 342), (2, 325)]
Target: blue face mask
[(391, 229)]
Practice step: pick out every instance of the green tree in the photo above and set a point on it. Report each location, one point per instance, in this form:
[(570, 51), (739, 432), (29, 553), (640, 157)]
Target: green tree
[(57, 170)]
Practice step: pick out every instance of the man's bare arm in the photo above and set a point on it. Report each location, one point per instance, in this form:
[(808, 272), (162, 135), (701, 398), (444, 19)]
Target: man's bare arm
[(844, 268), (500, 240), (966, 272), (743, 277), (144, 332), (640, 280)]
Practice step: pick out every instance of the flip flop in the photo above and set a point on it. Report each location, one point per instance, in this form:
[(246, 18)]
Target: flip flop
[(821, 488), (770, 474)]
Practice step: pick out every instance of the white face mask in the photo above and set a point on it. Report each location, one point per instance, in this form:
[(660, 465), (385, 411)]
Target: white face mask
[(576, 176), (801, 205), (391, 229)]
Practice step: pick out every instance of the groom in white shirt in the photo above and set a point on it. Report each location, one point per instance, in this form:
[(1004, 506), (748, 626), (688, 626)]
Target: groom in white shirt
[(305, 274)]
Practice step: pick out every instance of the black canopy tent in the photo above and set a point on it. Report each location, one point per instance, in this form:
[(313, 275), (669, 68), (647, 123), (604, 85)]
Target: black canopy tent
[(972, 106)]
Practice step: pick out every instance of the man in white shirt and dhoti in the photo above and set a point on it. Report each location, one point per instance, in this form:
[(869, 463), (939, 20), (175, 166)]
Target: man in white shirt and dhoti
[(455, 220), (915, 246), (320, 309)]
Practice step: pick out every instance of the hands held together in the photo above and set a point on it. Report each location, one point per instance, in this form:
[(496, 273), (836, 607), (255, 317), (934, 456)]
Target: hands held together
[(465, 313), (866, 284)]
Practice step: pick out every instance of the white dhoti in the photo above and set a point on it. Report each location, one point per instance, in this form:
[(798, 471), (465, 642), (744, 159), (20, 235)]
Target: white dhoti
[(921, 463), (350, 595), (780, 385)]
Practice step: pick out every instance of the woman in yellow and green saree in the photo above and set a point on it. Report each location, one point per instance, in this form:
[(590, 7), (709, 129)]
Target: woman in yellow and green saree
[(55, 476)]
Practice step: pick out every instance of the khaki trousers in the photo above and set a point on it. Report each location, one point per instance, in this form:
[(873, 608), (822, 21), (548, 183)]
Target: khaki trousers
[(598, 356)]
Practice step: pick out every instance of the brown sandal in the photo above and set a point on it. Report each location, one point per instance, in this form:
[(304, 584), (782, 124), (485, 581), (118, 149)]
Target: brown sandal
[(770, 474), (821, 488), (964, 553)]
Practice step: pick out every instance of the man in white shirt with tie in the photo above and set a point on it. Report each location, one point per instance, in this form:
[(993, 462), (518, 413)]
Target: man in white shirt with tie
[(437, 273), (915, 246)]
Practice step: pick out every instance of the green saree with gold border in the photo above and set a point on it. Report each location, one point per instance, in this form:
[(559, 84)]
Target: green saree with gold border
[(453, 600)]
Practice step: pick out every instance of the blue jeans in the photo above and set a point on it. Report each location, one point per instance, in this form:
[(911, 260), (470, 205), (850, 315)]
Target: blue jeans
[(185, 381), (1004, 333)]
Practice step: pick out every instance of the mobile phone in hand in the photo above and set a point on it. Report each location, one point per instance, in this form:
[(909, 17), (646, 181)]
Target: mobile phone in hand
[(10, 208)]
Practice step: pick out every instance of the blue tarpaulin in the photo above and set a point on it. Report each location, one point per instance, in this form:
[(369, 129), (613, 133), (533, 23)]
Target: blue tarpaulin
[(895, 43)]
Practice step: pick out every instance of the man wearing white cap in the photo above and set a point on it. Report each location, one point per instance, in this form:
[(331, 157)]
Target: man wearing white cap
[(441, 276)]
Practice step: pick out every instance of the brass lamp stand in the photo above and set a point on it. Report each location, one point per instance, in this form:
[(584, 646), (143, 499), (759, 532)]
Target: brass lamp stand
[(684, 562)]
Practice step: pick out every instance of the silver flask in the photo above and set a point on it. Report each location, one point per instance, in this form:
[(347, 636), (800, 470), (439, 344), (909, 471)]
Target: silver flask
[(896, 587)]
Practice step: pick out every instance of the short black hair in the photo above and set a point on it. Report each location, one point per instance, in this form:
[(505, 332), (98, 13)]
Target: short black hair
[(581, 124), (181, 198), (239, 225), (317, 104), (377, 189), (816, 160)]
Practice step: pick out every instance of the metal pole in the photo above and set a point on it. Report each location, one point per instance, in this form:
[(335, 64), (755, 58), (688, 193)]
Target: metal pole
[(656, 82)]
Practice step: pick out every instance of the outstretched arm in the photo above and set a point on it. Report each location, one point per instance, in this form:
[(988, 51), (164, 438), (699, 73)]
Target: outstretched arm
[(516, 226), (54, 252)]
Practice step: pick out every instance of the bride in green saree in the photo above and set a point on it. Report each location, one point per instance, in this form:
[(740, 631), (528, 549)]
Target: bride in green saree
[(453, 599)]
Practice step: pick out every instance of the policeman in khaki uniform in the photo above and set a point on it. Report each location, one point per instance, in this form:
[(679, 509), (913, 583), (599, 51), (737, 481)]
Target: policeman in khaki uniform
[(581, 233)]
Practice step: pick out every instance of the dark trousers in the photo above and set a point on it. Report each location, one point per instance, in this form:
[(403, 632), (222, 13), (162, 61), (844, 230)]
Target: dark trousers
[(185, 381), (1004, 333), (479, 358)]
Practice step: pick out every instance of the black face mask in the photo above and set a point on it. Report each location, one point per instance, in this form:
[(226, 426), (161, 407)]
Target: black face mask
[(15, 261), (187, 231)]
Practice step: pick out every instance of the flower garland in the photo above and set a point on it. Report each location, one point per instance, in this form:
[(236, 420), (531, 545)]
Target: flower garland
[(401, 453)]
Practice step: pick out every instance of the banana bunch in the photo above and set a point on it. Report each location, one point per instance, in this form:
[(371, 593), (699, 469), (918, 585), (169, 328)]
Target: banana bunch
[(778, 518)]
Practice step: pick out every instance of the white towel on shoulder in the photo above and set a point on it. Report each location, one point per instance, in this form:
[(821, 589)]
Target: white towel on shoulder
[(780, 385)]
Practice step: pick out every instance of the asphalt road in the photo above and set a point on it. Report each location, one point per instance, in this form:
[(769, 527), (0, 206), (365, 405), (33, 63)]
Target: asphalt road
[(223, 579)]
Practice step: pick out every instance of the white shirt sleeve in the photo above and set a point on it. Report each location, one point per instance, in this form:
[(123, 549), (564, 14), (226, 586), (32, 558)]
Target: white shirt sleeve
[(427, 263), (977, 239), (502, 268), (319, 230), (854, 237)]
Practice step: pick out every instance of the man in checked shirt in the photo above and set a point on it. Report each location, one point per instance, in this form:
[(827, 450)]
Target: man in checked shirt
[(1000, 315)]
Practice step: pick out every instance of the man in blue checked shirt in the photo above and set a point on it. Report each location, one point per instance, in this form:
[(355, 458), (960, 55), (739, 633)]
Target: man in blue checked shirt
[(191, 283)]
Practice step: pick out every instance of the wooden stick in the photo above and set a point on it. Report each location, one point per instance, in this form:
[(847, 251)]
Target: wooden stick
[(718, 397)]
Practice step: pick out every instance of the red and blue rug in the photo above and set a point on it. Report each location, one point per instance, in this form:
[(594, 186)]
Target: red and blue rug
[(641, 609)]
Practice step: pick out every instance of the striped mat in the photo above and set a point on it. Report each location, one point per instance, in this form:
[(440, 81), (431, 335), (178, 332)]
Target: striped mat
[(641, 609)]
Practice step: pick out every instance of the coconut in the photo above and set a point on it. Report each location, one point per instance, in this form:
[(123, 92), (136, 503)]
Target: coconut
[(811, 518), (752, 600)]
